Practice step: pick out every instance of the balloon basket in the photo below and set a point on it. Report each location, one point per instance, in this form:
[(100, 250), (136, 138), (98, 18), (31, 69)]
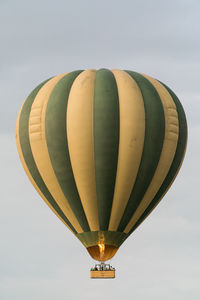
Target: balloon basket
[(102, 271)]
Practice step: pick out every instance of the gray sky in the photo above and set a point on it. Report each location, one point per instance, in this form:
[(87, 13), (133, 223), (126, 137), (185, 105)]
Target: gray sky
[(39, 258)]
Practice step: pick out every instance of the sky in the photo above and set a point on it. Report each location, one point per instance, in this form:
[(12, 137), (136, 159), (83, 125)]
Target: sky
[(39, 258)]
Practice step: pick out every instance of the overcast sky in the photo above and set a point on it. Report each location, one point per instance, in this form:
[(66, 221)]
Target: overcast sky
[(39, 258)]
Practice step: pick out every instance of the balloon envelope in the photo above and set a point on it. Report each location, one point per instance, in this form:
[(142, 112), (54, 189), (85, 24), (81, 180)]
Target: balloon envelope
[(101, 148)]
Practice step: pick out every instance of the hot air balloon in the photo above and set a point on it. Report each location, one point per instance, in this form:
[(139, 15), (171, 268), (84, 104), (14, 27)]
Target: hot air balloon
[(101, 148)]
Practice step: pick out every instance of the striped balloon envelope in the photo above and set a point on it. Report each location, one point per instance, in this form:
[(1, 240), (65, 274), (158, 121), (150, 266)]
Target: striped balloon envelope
[(101, 148)]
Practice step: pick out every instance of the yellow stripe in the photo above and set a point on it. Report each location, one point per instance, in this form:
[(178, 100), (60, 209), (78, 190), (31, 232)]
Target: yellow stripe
[(28, 173), (132, 130), (167, 154), (166, 189), (81, 143), (40, 150)]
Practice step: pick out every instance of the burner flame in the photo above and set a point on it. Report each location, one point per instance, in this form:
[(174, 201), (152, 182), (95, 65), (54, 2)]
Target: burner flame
[(101, 249)]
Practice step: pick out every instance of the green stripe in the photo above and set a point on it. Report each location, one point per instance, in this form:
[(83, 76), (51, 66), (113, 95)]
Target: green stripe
[(153, 143), (28, 156), (56, 136), (180, 150), (92, 238), (106, 141)]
